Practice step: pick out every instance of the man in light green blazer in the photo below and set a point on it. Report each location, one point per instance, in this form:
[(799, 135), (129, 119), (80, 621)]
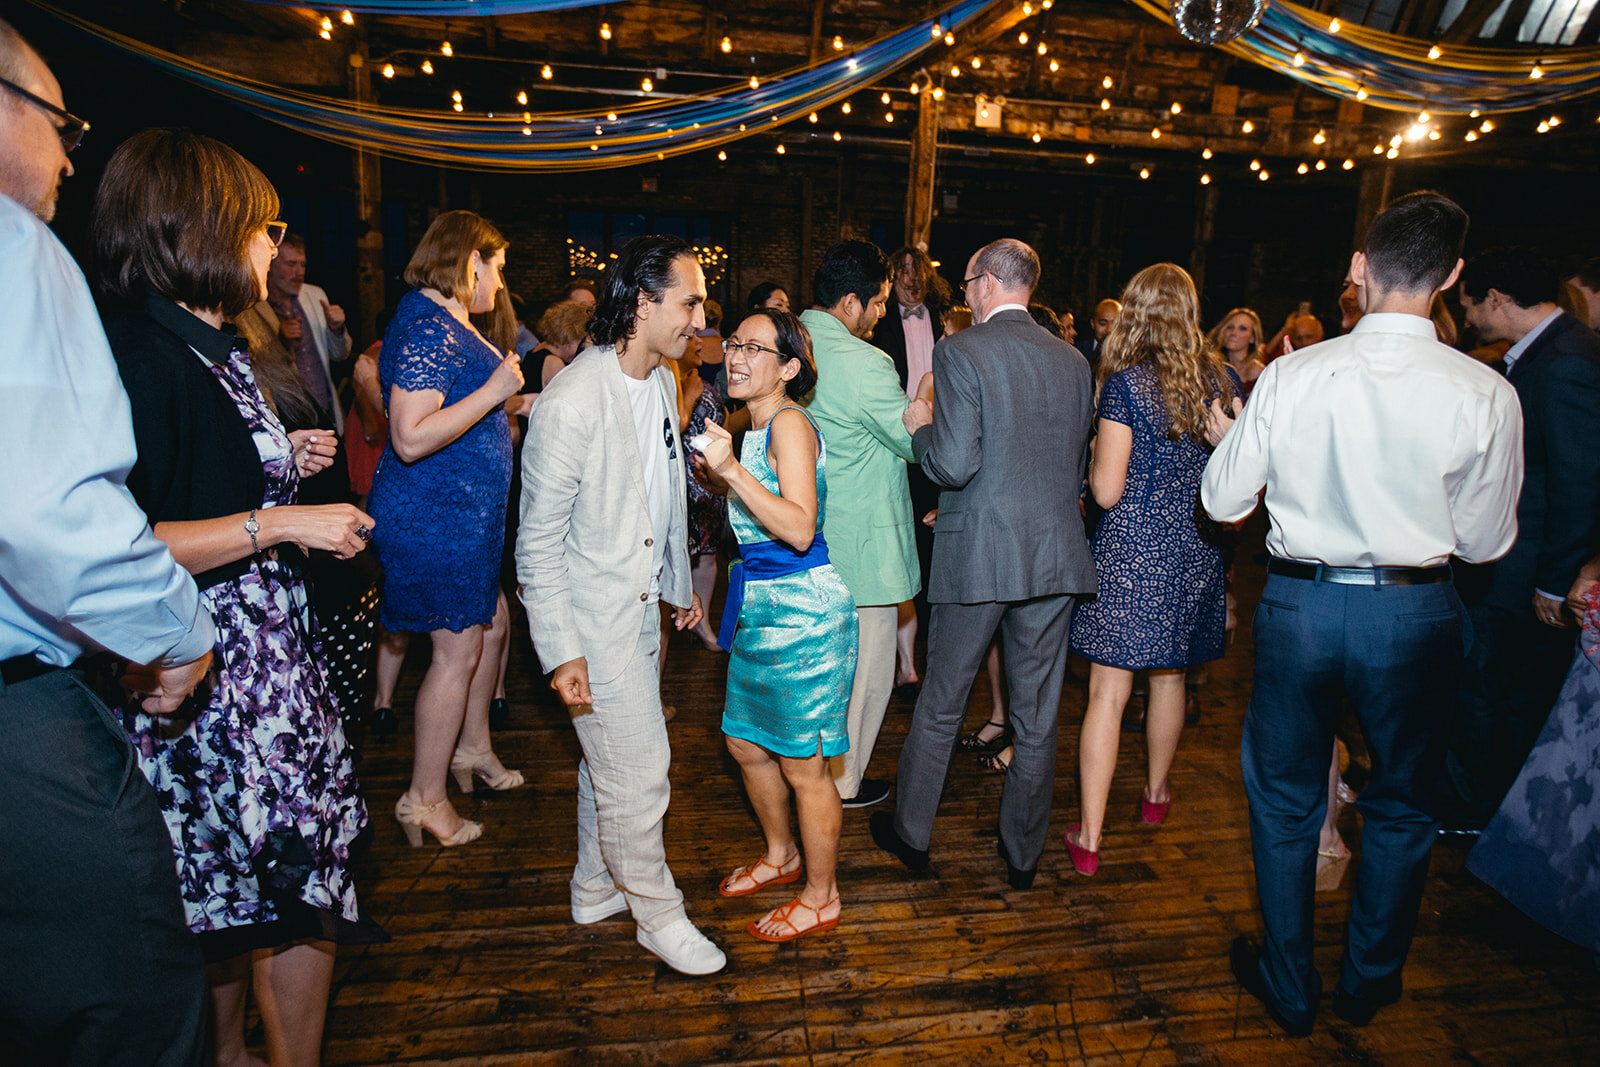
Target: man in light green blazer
[(868, 524)]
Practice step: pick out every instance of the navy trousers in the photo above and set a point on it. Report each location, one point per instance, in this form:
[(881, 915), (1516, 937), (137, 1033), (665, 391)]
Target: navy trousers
[(1396, 652)]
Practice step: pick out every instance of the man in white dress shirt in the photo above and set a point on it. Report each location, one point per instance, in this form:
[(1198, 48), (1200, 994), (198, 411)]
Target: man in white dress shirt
[(1383, 454)]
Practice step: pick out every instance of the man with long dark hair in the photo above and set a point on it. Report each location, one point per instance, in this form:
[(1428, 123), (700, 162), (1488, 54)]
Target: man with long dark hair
[(603, 538)]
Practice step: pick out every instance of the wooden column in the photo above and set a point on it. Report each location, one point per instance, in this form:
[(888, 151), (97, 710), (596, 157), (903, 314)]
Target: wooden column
[(919, 191), (369, 214)]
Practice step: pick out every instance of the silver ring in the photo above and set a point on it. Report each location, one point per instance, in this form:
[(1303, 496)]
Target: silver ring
[(363, 533)]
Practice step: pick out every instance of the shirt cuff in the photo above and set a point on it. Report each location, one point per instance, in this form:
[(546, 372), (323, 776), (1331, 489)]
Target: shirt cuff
[(1550, 596)]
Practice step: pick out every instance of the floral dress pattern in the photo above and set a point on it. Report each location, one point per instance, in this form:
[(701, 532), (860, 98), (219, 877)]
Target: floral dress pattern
[(1161, 600), (708, 512), (440, 521), (258, 789)]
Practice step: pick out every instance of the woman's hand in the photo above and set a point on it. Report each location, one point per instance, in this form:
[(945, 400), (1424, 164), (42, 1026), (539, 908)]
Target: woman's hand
[(1219, 422), (718, 450), (342, 529), (313, 450), (507, 378)]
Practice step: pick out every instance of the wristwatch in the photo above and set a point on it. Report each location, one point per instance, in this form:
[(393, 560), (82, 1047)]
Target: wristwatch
[(252, 527)]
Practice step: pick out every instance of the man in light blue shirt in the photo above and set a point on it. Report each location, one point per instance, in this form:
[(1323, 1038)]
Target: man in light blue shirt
[(100, 967)]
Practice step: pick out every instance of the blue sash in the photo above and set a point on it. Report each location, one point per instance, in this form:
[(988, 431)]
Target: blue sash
[(762, 561)]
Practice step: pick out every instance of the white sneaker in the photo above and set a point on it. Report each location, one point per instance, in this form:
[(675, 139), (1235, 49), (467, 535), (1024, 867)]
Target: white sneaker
[(684, 948), (584, 914)]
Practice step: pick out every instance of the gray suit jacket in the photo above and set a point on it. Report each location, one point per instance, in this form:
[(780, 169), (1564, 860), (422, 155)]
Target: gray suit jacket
[(1011, 414), (584, 542)]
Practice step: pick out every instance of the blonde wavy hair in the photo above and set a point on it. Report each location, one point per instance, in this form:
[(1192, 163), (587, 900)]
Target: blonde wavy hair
[(1160, 322)]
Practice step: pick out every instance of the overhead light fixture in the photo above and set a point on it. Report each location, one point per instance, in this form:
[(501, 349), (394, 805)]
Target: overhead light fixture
[(1334, 26), (1248, 127), (1255, 164), (1434, 53), (1205, 153), (1303, 169), (727, 44), (1176, 108), (1205, 179), (1144, 173), (388, 70), (1348, 164), (647, 85), (1089, 158), (427, 66), (838, 43), (347, 18), (445, 49), (605, 31), (1320, 138), (722, 156)]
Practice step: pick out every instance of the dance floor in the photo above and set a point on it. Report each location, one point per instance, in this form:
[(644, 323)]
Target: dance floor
[(946, 966)]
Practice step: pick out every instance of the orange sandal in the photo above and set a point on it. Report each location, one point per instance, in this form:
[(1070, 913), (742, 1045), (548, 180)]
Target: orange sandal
[(749, 871), (784, 914)]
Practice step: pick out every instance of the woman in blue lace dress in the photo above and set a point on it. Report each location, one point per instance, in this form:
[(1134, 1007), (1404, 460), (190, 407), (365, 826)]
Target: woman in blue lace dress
[(794, 652), (439, 496), (1161, 601), (255, 779)]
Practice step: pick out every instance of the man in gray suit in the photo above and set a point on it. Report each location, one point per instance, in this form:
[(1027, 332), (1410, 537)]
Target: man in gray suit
[(1005, 439), (602, 540)]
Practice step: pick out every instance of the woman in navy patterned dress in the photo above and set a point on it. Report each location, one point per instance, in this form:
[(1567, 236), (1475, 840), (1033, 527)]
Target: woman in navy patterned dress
[(439, 496), (1161, 601), (255, 778)]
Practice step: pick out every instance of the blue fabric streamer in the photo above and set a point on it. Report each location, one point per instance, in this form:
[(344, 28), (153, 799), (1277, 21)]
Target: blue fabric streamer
[(762, 561), (444, 7)]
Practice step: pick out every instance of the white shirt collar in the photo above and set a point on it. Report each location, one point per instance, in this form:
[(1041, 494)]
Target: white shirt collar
[(1005, 307), (1515, 352), (1395, 322)]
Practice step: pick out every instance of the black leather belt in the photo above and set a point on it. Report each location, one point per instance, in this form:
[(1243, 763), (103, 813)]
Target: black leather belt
[(19, 669), (1316, 572)]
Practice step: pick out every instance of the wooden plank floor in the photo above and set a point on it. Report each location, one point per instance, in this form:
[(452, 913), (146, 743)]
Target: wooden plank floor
[(950, 966)]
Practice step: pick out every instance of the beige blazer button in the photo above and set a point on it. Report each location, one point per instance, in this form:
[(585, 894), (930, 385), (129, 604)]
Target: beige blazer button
[(644, 596), (649, 542)]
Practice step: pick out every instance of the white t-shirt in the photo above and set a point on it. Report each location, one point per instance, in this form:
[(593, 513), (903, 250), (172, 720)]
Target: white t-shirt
[(653, 425)]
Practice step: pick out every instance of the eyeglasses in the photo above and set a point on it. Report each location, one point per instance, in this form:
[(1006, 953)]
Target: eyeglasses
[(275, 232), (71, 130), (968, 281), (749, 348)]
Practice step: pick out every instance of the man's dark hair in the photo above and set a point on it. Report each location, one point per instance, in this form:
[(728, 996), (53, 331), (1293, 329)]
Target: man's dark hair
[(1048, 319), (936, 296), (794, 343), (1526, 275), (1414, 243), (762, 293), (644, 266), (1588, 275), (858, 267), (294, 241)]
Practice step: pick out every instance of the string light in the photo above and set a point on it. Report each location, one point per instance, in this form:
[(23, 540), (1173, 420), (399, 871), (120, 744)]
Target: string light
[(1392, 153), (1334, 26), (611, 116), (522, 97), (427, 66), (1474, 113), (647, 85), (1536, 73), (1555, 120), (888, 116), (1205, 179), (1434, 53), (1348, 164), (1377, 149), (727, 44), (938, 92), (546, 73), (458, 106), (955, 72), (977, 62), (884, 98), (605, 31), (1322, 164), (938, 31), (326, 33), (1176, 108), (388, 70), (1433, 135), (1043, 48), (1486, 126), (812, 117), (1299, 59), (1472, 135), (1255, 164), (1022, 38), (1048, 4), (1037, 137), (598, 130), (1205, 153), (915, 88), (1106, 82), (445, 49), (347, 18), (1054, 66), (1105, 104), (949, 40), (1423, 118), (527, 131), (781, 150), (722, 157), (456, 96), (1155, 134), (1089, 159), (755, 82), (1027, 9), (837, 136), (845, 107), (838, 43), (1320, 138), (1544, 127), (1248, 127), (1303, 169), (1144, 173), (1361, 94), (1263, 175)]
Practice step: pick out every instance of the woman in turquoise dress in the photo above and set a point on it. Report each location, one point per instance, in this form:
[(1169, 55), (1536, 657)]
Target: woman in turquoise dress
[(789, 623)]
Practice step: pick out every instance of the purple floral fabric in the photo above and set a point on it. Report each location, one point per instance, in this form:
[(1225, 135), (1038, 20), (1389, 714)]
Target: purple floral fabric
[(258, 789)]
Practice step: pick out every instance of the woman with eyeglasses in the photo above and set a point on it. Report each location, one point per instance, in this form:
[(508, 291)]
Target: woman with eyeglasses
[(255, 777), (789, 622), (439, 495)]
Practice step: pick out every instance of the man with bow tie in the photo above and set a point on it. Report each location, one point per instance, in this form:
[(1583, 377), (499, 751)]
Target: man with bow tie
[(914, 319)]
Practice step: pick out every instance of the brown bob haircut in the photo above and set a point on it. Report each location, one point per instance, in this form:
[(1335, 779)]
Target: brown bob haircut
[(442, 261), (174, 215)]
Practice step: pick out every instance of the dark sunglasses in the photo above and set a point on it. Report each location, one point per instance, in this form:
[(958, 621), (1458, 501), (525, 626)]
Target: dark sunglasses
[(71, 130), (275, 231)]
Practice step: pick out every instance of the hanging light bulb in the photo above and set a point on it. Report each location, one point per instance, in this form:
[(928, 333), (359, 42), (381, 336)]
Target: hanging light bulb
[(445, 49), (1322, 164), (611, 116), (1037, 137), (456, 96), (326, 33), (1205, 153), (1555, 120), (955, 72), (1361, 94), (727, 44), (837, 136), (977, 62), (1054, 66), (1027, 9), (1144, 173), (755, 82), (1248, 127), (888, 116), (938, 31), (1303, 169), (546, 73), (811, 117), (1486, 126), (1423, 118), (1377, 149), (1434, 53), (1155, 133), (388, 70), (1299, 59), (1334, 26), (1089, 159), (884, 98), (1106, 82), (938, 92), (1536, 73), (844, 108), (949, 40), (1544, 127), (527, 131), (1392, 153), (1022, 38), (599, 130), (1348, 164), (522, 97), (347, 18), (1255, 164), (1472, 135), (457, 105), (1263, 175), (781, 150), (427, 66), (915, 88), (1433, 135), (1176, 108), (1205, 179), (1043, 48), (722, 157), (838, 43), (1320, 138), (605, 31), (1105, 104), (647, 85)]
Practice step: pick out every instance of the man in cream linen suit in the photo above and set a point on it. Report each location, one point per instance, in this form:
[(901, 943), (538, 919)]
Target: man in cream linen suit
[(603, 538)]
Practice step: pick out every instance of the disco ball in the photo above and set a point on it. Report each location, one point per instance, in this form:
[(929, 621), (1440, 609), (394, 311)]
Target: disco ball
[(1215, 21)]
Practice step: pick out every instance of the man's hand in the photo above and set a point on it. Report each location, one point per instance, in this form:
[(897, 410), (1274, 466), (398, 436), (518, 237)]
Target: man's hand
[(571, 683), (335, 316), (1549, 611), (164, 689), (918, 413), (683, 618), (289, 327), (1219, 422), (713, 482)]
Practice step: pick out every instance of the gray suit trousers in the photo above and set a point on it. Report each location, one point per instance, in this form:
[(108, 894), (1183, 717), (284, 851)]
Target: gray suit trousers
[(1034, 640)]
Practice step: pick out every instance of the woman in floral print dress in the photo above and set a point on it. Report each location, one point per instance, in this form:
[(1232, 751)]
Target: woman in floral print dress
[(255, 778)]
